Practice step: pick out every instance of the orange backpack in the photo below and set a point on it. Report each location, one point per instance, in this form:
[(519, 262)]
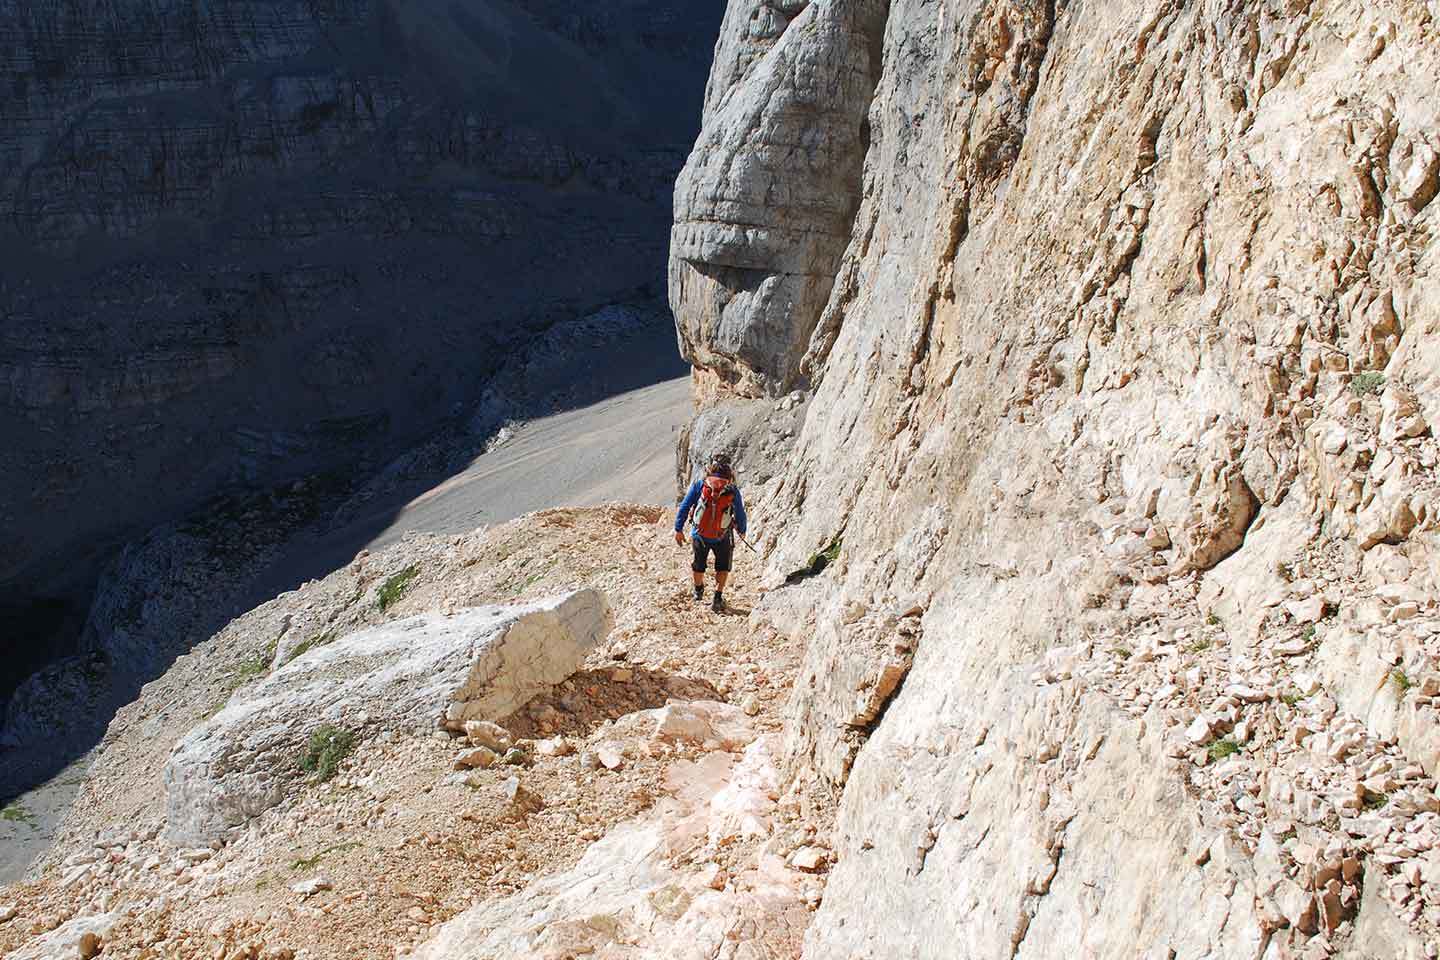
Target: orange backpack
[(716, 496)]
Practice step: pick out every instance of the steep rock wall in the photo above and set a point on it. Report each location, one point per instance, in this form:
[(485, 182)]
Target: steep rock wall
[(1126, 285)]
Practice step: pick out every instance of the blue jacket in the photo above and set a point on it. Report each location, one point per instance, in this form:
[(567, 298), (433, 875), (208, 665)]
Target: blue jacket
[(693, 497)]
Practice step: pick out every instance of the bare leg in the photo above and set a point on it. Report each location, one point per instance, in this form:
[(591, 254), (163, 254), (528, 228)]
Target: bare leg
[(699, 578), (720, 577)]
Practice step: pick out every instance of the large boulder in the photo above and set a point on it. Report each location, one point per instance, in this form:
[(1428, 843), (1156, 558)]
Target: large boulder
[(414, 675)]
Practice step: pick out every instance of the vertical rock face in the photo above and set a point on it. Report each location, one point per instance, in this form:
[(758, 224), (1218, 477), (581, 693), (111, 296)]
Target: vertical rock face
[(764, 205), (249, 240), (1126, 282)]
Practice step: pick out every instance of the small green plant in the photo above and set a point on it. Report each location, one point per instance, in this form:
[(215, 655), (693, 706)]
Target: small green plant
[(1402, 682), (319, 640), (1308, 634), (1211, 619), (328, 746), (1198, 646), (393, 589), (1374, 801), (817, 563), (17, 813), (1123, 652), (1221, 749), (257, 664), (1284, 570), (1367, 383), (1292, 697), (308, 863)]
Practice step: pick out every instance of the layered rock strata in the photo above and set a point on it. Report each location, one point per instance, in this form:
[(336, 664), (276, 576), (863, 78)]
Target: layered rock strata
[(249, 241)]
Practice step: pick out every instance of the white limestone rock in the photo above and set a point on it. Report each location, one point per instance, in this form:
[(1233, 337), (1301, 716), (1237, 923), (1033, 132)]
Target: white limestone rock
[(410, 675)]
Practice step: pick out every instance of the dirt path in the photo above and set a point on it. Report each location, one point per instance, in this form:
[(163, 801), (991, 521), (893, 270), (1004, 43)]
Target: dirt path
[(404, 843)]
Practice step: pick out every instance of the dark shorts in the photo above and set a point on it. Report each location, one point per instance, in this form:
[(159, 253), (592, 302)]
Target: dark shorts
[(724, 551)]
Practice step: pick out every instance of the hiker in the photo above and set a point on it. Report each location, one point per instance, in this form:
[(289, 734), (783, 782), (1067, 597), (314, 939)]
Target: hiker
[(717, 512)]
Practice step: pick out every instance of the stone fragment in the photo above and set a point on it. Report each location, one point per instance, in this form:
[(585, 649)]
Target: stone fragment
[(486, 733), (1309, 610), (311, 886), (520, 800), (1199, 730), (808, 859), (480, 757), (610, 758)]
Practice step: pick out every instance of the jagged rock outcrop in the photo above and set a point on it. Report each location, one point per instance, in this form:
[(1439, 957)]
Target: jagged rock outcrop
[(421, 674), (250, 242), (764, 205), (1136, 313)]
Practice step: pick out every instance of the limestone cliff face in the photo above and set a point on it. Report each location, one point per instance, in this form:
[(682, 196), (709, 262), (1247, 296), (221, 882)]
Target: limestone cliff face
[(1134, 337), (248, 241)]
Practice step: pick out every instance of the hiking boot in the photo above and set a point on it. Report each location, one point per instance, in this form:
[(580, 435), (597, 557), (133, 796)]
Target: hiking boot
[(718, 604), (699, 594)]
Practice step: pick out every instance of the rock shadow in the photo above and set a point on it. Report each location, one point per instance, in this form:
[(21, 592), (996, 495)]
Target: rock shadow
[(590, 697)]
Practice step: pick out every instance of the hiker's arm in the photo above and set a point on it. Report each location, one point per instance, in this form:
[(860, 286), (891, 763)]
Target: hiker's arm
[(740, 523), (686, 506)]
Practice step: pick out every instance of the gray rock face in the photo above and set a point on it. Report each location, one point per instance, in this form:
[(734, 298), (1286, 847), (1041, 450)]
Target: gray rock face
[(1124, 283), (416, 675), (764, 205), (247, 241)]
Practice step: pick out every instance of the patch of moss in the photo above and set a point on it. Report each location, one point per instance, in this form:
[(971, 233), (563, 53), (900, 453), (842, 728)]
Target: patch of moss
[(1221, 749)]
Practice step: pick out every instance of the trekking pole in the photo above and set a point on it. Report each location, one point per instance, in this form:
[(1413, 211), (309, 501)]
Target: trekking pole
[(747, 543)]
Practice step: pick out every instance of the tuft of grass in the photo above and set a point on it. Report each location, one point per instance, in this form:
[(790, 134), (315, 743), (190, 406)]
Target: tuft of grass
[(1308, 634), (1292, 698), (309, 863), (1198, 646), (1211, 619), (1367, 383), (1122, 652), (18, 813), (319, 640), (328, 746), (1401, 681), (257, 664), (1284, 570), (1221, 749), (393, 589), (817, 563)]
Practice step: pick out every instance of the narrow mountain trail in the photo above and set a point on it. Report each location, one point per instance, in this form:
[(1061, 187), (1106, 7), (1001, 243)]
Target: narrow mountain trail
[(664, 744)]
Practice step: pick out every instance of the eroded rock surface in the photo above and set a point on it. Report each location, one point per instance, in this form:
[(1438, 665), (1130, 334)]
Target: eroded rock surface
[(1122, 362), (421, 674)]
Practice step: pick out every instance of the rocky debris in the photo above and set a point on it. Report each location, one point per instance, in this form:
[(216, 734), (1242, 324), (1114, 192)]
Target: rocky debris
[(484, 733), (421, 672), (481, 757), (314, 885), (519, 800), (81, 937), (393, 829), (652, 887)]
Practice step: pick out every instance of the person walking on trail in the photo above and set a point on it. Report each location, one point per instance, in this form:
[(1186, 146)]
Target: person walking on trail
[(716, 513)]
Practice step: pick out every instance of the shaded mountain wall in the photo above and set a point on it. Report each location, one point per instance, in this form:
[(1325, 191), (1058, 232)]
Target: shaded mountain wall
[(250, 241)]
